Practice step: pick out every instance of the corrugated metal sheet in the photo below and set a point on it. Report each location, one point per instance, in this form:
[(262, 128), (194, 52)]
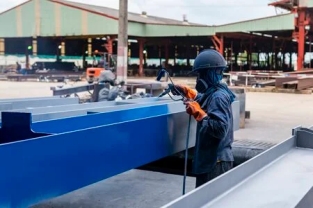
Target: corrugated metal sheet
[(133, 17), (173, 30), (93, 20), (274, 23)]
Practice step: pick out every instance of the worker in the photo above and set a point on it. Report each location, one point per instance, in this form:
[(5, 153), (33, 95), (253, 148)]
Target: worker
[(210, 105)]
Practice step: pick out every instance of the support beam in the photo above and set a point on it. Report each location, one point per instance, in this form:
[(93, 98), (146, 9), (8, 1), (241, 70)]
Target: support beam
[(2, 46), (301, 20), (63, 48), (141, 58), (34, 46), (89, 47), (109, 47), (218, 43), (122, 41)]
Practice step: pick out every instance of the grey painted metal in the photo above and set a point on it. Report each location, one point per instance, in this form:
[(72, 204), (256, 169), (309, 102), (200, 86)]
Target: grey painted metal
[(32, 103), (111, 106), (235, 106), (71, 90), (241, 96), (306, 200), (29, 98), (73, 113), (64, 111), (236, 114), (50, 113), (279, 177), (5, 106), (64, 108)]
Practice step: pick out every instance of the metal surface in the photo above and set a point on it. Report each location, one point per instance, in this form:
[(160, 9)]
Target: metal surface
[(82, 150), (112, 114), (10, 104), (241, 97), (58, 112), (74, 159), (71, 90), (279, 177)]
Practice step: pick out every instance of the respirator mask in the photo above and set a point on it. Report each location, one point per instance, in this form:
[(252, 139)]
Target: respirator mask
[(207, 78)]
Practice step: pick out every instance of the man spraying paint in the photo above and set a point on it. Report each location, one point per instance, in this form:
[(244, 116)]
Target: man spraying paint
[(210, 105)]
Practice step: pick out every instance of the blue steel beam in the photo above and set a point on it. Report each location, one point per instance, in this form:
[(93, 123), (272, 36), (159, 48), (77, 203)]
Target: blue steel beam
[(117, 114), (49, 166), (86, 149), (98, 119)]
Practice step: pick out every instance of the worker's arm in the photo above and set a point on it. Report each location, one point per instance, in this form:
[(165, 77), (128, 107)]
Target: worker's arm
[(216, 121)]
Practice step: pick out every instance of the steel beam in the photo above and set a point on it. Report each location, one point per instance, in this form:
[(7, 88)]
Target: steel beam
[(71, 90), (10, 104), (74, 152), (104, 118), (53, 165), (278, 177), (75, 112)]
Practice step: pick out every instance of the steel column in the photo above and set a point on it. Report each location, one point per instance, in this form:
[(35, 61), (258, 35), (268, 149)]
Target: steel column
[(141, 46), (122, 41), (218, 43)]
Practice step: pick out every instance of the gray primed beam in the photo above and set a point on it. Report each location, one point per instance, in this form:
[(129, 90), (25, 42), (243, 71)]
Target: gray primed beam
[(280, 177), (33, 103), (65, 114), (65, 108), (30, 98), (110, 107)]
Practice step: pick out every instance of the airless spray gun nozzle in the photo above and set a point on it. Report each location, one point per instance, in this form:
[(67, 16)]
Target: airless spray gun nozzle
[(167, 90)]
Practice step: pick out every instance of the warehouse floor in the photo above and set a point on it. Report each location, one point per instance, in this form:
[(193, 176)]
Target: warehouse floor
[(273, 115)]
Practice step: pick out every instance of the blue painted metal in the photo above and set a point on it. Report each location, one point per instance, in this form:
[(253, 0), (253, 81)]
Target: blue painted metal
[(49, 166), (17, 128), (74, 152), (98, 119)]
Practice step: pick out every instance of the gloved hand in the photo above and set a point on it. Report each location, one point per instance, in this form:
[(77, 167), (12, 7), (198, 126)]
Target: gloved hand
[(184, 90), (193, 108)]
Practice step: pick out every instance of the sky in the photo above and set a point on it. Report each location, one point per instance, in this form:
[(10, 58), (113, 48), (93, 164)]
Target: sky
[(209, 12)]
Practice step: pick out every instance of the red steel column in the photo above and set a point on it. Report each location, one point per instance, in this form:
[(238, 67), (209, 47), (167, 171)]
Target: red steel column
[(219, 44), (301, 39)]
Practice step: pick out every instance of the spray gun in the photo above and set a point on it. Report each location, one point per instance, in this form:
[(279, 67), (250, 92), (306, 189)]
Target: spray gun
[(171, 87), (167, 90)]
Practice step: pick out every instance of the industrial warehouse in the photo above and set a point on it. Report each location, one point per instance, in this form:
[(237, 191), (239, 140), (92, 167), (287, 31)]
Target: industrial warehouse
[(74, 135)]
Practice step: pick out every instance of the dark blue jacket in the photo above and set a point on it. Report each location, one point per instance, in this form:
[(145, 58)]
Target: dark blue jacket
[(214, 133)]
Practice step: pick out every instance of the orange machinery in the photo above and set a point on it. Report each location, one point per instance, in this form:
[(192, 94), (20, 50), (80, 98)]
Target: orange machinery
[(93, 73)]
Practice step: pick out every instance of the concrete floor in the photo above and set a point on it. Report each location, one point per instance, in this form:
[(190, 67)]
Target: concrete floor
[(132, 189), (273, 115)]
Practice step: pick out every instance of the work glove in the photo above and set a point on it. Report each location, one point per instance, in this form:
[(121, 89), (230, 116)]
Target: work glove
[(193, 108), (185, 91)]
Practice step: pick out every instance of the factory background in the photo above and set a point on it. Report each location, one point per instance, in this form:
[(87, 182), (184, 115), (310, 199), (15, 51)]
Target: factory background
[(41, 30)]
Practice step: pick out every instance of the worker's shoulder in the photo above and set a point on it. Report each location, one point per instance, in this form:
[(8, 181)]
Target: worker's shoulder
[(220, 96)]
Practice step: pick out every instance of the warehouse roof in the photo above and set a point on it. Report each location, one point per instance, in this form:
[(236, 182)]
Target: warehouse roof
[(133, 17), (85, 20)]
